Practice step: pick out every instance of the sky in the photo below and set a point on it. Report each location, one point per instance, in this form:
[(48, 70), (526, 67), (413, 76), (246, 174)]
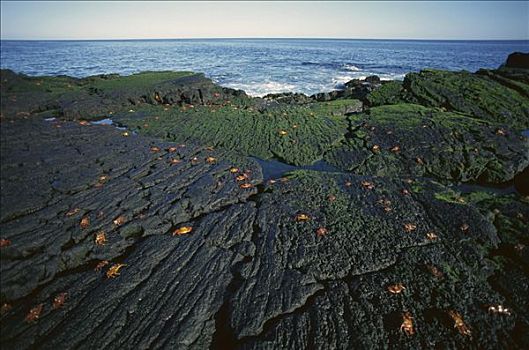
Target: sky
[(486, 20)]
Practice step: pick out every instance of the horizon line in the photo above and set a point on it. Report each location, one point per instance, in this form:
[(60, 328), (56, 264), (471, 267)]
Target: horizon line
[(265, 38)]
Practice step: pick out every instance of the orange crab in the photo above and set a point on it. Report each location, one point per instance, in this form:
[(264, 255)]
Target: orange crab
[(464, 227), (348, 184), (419, 161), (241, 177), (101, 238), (396, 288), (59, 300), (407, 324), (431, 236), (384, 202), (395, 149), (103, 178), (459, 323), (100, 265), (283, 133), (84, 123), (331, 198), (182, 230), (34, 314), (4, 242), (246, 185), (73, 211), (375, 148), (409, 227), (302, 217), (174, 161), (172, 149), (368, 185), (155, 149), (120, 220), (321, 231), (113, 271), (234, 170), (210, 148), (85, 222), (405, 192), (211, 160), (501, 132)]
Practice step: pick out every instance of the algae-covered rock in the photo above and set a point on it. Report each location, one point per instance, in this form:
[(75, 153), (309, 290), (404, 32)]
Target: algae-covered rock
[(497, 96), (103, 95), (412, 140), (375, 236), (298, 135), (163, 235), (473, 94), (387, 94)]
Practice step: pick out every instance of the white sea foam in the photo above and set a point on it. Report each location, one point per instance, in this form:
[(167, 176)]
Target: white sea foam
[(392, 76), (352, 68), (259, 89), (340, 80)]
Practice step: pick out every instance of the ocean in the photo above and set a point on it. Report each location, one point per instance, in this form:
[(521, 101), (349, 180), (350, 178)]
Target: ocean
[(257, 66)]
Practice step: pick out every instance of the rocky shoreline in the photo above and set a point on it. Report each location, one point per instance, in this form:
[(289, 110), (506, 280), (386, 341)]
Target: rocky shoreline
[(167, 233)]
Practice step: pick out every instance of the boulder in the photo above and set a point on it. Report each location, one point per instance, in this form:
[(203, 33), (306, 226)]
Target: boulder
[(517, 60)]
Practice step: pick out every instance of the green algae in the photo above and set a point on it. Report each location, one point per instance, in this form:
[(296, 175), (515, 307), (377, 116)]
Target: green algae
[(298, 135), (134, 81), (414, 140), (472, 94), (450, 196), (388, 93)]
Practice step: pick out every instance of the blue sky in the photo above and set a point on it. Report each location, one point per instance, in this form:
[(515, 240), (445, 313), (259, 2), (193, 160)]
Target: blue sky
[(384, 20)]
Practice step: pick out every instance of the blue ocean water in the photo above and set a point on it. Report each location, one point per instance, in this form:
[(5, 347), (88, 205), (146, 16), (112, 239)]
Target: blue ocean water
[(258, 66)]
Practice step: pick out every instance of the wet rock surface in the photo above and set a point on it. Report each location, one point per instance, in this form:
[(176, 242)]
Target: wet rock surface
[(445, 145), (166, 234), (500, 96), (93, 97), (78, 181), (298, 135)]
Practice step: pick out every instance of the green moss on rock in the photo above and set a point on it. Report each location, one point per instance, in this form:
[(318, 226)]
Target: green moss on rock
[(413, 140), (298, 135)]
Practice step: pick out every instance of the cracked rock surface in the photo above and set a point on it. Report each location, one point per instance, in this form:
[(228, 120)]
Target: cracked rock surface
[(165, 235)]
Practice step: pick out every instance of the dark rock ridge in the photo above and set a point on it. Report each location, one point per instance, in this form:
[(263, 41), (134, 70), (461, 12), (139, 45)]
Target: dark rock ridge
[(518, 60), (381, 255), (93, 97)]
